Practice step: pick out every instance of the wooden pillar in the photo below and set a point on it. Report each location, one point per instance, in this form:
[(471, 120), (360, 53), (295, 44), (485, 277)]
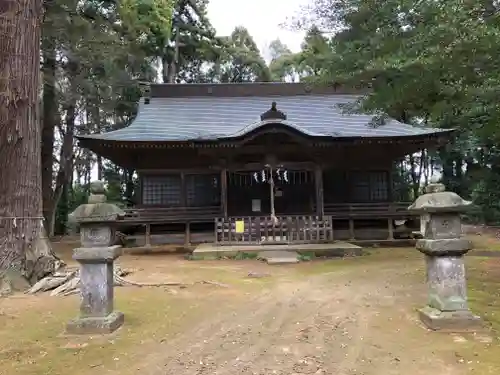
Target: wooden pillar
[(391, 230), (148, 236), (351, 229), (223, 191), (187, 237), (318, 179)]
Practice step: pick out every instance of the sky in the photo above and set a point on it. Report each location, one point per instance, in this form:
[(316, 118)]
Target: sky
[(262, 18)]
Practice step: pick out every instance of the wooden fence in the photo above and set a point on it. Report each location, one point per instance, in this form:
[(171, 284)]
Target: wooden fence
[(262, 230)]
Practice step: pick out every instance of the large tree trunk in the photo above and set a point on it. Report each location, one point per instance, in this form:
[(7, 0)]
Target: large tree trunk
[(24, 253)]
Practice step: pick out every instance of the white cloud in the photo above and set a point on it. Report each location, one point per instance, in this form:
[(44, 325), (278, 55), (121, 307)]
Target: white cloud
[(262, 18)]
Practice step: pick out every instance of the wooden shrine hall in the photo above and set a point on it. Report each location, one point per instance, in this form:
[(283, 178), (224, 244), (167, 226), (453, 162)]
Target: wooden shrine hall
[(263, 163)]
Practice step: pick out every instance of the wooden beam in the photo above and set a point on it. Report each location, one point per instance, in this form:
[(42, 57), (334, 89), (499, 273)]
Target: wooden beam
[(318, 179), (260, 165), (257, 149)]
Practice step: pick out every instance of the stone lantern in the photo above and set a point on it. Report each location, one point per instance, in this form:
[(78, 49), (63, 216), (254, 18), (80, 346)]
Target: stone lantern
[(97, 220), (444, 249)]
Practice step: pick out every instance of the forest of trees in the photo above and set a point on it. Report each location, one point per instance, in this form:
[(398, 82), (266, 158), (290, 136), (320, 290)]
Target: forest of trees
[(432, 63)]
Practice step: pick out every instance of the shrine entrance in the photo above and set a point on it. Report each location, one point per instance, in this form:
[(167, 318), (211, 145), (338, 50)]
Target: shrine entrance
[(253, 193)]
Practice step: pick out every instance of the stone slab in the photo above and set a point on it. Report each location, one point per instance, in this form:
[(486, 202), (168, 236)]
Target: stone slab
[(97, 254), (451, 321), (93, 325), (282, 260), (279, 257), (209, 249)]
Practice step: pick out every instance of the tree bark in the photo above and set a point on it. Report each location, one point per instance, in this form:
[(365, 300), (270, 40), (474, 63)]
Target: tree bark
[(24, 253)]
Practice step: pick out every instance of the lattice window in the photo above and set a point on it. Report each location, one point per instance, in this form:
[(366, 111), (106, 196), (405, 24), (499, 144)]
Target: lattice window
[(379, 186), (203, 190), (164, 190), (360, 187), (369, 186)]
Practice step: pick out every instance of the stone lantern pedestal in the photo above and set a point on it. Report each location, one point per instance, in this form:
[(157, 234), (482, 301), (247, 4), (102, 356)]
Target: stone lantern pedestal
[(96, 256), (444, 250)]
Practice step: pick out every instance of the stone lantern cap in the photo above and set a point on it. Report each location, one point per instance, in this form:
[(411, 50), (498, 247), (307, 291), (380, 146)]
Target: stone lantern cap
[(97, 210), (438, 200)]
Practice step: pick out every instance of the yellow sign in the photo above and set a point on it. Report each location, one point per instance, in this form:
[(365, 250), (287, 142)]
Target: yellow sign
[(240, 226)]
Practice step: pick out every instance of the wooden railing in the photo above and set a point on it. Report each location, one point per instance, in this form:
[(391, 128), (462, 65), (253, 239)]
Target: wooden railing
[(368, 210), (154, 215), (262, 230), (158, 215)]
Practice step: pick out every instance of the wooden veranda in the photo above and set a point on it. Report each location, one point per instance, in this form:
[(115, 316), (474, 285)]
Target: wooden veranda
[(287, 229)]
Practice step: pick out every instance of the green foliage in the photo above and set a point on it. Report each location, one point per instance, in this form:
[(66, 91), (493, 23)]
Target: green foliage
[(426, 62), (315, 54), (240, 60), (431, 59), (283, 62), (486, 195), (147, 19), (193, 43), (306, 256), (241, 255), (72, 197)]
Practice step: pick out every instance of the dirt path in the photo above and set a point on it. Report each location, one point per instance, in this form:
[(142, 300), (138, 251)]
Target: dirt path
[(349, 322)]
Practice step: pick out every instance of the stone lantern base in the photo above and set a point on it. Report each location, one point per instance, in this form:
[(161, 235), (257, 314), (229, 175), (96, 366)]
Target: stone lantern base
[(450, 321), (97, 315), (95, 325)]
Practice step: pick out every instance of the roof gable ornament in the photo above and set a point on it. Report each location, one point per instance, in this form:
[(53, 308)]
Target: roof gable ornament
[(273, 114)]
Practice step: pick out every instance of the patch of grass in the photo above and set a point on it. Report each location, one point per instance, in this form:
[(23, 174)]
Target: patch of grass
[(485, 242), (375, 257), (241, 255), (483, 280), (32, 341), (306, 256)]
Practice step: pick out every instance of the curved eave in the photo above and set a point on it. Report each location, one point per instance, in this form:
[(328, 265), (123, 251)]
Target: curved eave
[(94, 142)]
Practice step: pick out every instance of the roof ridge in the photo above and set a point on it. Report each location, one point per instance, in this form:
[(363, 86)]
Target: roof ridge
[(237, 89)]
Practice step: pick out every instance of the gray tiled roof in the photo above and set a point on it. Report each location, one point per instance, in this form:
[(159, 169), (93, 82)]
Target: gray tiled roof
[(211, 118)]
